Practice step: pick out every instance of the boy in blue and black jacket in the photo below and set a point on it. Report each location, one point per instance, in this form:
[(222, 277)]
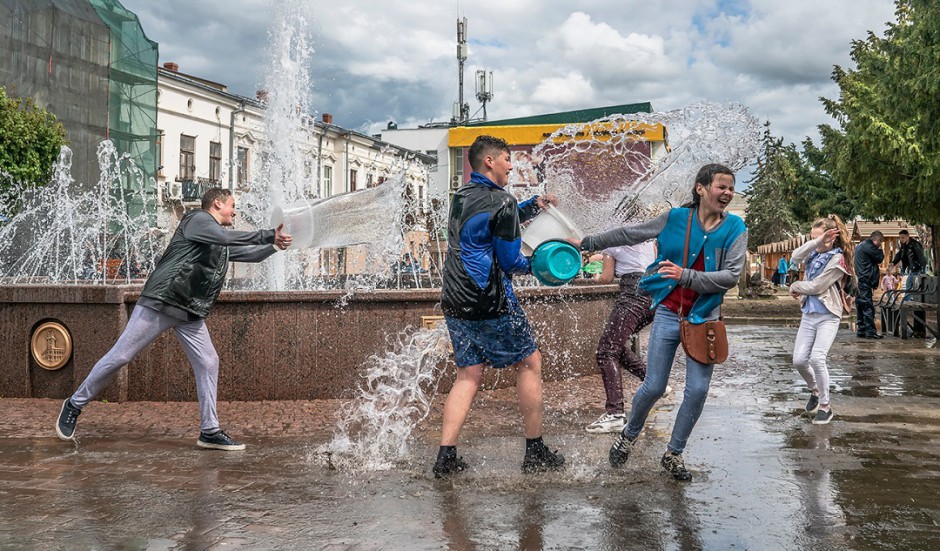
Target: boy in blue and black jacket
[(486, 323)]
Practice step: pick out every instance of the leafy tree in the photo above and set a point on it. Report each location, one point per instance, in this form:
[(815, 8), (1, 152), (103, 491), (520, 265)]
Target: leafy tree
[(768, 215), (30, 139), (887, 147)]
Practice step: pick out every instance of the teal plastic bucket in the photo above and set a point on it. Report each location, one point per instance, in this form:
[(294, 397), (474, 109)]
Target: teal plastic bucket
[(555, 262)]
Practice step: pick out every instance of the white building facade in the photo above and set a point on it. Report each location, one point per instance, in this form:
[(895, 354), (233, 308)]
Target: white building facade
[(209, 137)]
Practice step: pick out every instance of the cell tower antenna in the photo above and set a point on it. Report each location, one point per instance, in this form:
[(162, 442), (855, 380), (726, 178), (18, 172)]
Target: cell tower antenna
[(461, 110)]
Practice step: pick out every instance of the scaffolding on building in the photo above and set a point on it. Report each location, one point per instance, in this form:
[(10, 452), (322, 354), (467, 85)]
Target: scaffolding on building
[(89, 63)]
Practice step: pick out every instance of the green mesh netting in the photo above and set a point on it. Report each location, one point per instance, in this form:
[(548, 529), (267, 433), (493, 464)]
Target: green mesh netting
[(132, 98)]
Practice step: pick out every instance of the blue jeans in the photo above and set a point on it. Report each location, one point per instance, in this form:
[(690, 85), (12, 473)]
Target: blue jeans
[(664, 339), (910, 282)]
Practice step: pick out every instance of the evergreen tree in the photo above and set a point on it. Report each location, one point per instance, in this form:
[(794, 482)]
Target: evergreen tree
[(886, 150), (817, 193), (768, 215)]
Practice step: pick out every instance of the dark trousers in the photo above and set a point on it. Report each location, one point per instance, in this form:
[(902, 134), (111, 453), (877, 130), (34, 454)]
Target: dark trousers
[(865, 310), (631, 313), (918, 325)]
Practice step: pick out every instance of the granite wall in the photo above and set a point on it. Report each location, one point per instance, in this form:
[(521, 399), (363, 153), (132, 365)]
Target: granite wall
[(272, 345)]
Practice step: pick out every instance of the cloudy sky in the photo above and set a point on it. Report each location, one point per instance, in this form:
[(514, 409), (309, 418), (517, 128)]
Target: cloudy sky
[(395, 60)]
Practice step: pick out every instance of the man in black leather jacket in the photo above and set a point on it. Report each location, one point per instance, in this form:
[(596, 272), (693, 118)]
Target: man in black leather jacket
[(913, 262), (868, 258), (910, 255), (178, 295)]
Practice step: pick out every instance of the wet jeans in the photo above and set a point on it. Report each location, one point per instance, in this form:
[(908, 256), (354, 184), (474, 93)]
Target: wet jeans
[(631, 313), (664, 339)]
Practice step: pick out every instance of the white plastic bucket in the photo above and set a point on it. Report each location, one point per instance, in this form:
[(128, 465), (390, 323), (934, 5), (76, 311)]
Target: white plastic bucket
[(549, 224), (298, 222)]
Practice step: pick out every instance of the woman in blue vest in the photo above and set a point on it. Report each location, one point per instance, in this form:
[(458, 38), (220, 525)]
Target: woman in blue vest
[(716, 256)]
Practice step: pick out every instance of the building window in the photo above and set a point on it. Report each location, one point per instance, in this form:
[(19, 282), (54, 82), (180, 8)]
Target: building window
[(187, 157), (352, 180), (242, 161), (215, 162), (326, 184)]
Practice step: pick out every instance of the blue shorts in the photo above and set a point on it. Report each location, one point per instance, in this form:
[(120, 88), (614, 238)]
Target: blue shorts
[(498, 342)]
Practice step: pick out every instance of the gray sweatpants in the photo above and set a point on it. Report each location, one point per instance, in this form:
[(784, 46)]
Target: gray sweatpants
[(143, 327)]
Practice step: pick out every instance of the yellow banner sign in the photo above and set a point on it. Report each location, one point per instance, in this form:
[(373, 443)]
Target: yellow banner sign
[(532, 134)]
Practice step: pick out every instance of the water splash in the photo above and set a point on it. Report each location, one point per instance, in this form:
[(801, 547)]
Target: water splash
[(64, 234), (285, 174), (603, 180), (373, 431), (368, 222), (606, 178)]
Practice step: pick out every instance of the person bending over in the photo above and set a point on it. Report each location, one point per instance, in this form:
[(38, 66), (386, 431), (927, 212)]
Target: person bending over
[(178, 295)]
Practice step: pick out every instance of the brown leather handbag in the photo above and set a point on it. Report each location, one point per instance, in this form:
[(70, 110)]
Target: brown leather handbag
[(706, 343)]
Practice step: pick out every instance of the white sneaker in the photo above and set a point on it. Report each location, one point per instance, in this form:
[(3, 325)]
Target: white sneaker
[(609, 422), (668, 391)]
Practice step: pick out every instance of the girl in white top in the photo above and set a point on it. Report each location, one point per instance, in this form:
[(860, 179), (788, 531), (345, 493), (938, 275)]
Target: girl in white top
[(827, 260), (630, 314)]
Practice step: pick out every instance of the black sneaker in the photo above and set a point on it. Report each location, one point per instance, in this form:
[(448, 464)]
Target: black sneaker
[(812, 405), (822, 417), (68, 416), (620, 451), (218, 441), (540, 459), (448, 466), (674, 465)]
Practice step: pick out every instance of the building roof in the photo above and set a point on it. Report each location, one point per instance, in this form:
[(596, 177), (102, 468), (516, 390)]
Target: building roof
[(785, 246), (861, 229), (571, 117), (207, 85)]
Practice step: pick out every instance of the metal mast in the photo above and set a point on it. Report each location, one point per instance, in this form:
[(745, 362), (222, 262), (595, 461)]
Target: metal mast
[(461, 109)]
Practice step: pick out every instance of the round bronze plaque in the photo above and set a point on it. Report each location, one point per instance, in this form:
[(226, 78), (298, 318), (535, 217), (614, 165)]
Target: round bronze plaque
[(51, 345)]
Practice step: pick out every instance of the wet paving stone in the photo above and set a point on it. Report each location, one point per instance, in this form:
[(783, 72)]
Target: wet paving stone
[(764, 476)]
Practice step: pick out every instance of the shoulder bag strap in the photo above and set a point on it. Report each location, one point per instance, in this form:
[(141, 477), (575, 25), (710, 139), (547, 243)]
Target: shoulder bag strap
[(685, 258)]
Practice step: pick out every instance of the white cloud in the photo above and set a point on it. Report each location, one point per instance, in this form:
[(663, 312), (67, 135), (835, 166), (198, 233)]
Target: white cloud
[(796, 41), (602, 51), (397, 60), (566, 92)]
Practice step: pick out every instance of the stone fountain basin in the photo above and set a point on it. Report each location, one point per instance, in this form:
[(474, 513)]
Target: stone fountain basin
[(287, 345)]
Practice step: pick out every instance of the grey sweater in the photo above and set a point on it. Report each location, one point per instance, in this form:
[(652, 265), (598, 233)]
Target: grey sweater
[(724, 278)]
